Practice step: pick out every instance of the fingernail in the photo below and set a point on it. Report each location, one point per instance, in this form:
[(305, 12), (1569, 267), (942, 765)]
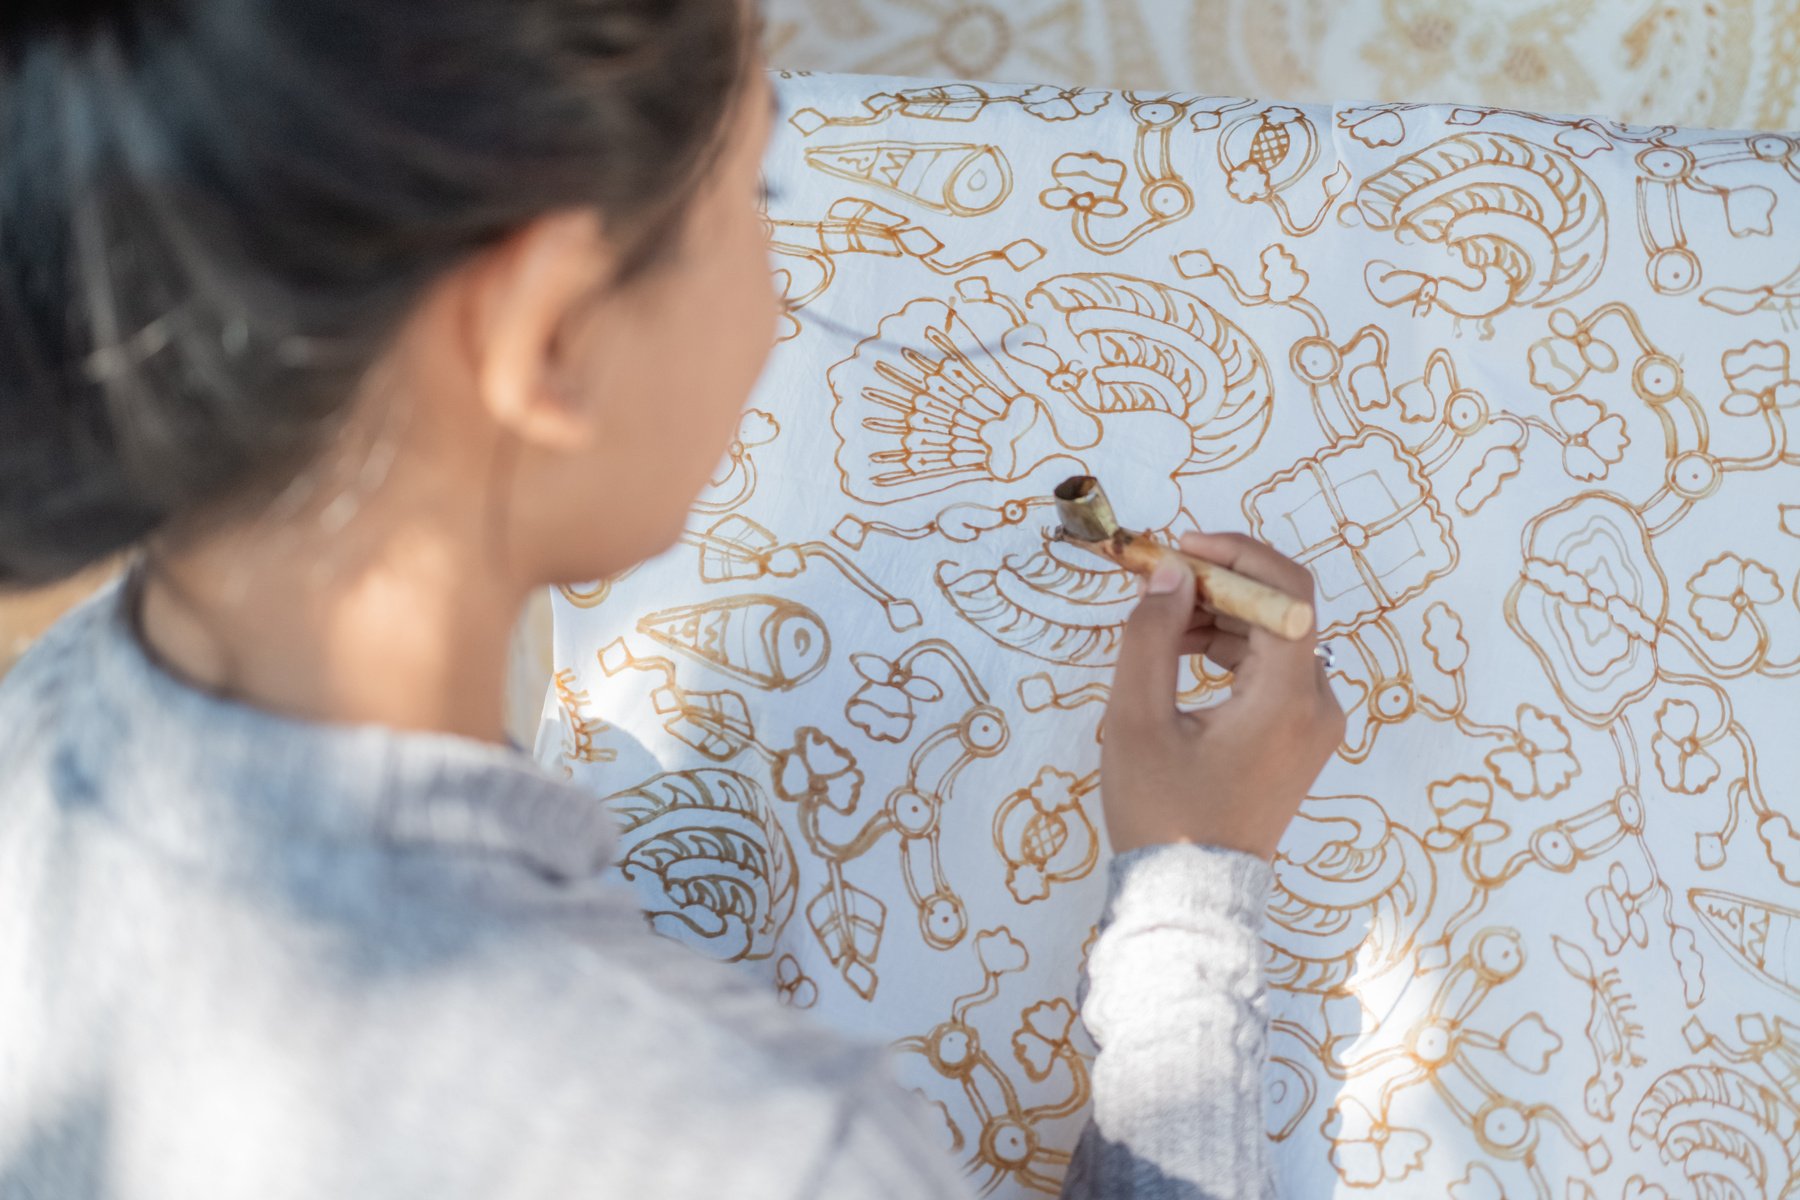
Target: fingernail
[(1166, 578)]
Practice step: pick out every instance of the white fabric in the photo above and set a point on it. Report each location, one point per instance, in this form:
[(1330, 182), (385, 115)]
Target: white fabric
[(1519, 389)]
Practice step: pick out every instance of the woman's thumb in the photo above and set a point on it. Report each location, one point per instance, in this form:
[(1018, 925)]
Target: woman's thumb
[(1149, 654)]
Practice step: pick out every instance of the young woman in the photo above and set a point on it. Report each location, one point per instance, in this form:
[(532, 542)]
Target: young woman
[(349, 321)]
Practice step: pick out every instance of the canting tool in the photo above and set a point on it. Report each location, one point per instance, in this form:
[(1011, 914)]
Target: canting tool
[(1088, 522)]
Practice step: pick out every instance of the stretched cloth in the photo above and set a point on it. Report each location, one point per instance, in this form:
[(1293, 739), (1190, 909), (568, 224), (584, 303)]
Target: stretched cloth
[(1518, 388)]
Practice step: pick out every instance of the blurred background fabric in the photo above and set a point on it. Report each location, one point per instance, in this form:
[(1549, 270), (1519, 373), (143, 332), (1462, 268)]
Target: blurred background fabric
[(1726, 64), (1719, 64)]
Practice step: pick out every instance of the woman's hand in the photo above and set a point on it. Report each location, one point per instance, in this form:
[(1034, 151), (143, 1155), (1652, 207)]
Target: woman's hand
[(1233, 775)]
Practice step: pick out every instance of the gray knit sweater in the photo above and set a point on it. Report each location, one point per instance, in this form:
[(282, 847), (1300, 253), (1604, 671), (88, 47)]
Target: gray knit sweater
[(246, 956)]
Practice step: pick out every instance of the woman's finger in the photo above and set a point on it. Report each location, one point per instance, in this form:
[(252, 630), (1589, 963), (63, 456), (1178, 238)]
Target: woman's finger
[(1290, 663), (1224, 649), (1201, 622), (1149, 661), (1230, 624), (1257, 560)]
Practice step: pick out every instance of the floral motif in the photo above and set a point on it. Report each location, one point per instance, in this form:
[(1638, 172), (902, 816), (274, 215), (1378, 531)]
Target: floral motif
[(1785, 394), (1044, 835), (1361, 514), (883, 706), (1783, 846), (1638, 1188), (1530, 1044), (1590, 603), (1761, 385), (1596, 438), (1444, 635), (793, 987), (817, 771), (1248, 182), (1000, 952), (1477, 1183), (1420, 399), (1615, 913), (1562, 360), (1048, 102), (1538, 763), (1681, 761), (1724, 591), (1044, 1037), (1497, 466), (1281, 272), (1462, 804), (1366, 1151), (1086, 183), (1374, 125)]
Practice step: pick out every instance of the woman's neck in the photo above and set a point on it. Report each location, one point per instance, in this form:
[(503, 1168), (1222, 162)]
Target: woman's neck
[(405, 632)]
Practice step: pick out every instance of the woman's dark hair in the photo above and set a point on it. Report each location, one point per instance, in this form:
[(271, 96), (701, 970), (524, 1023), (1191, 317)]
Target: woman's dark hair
[(215, 214)]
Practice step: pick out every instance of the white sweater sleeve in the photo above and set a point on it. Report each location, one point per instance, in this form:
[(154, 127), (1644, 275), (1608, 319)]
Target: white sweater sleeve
[(1175, 999)]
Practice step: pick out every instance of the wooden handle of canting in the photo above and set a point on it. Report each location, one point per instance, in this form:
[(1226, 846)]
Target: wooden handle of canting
[(1221, 589)]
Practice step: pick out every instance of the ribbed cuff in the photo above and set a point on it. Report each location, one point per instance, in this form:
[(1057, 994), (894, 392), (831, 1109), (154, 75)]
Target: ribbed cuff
[(1178, 882)]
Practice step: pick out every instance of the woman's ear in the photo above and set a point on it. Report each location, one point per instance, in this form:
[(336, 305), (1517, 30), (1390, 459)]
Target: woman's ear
[(522, 295)]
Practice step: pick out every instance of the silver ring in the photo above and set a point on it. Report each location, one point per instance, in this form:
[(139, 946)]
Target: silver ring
[(1324, 653)]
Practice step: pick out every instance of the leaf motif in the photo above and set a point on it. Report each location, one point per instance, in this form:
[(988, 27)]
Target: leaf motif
[(1573, 958), (1689, 963), (1497, 466), (1530, 1044)]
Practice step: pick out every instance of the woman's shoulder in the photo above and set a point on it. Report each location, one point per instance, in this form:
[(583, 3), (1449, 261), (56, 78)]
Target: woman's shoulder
[(600, 1046), (401, 945), (50, 665)]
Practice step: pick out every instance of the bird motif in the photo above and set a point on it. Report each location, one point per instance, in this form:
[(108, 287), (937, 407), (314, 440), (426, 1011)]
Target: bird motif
[(1100, 374)]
